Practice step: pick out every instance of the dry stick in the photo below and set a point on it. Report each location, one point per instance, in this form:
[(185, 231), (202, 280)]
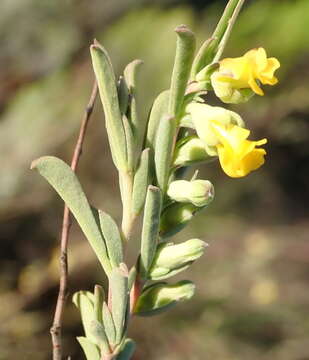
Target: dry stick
[(55, 330)]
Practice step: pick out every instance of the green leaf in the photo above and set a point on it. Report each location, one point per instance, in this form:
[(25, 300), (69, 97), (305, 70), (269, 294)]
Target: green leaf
[(123, 95), (140, 184), (130, 75), (132, 277), (158, 110), (129, 142), (65, 182), (182, 67), (98, 301), (160, 297), (207, 53), (86, 307), (127, 351), (150, 231), (91, 350), (108, 92), (164, 150), (112, 238), (98, 332), (119, 292), (109, 325)]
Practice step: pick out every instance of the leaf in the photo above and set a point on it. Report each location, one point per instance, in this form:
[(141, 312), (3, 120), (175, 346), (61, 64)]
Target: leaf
[(123, 95), (98, 332), (150, 231), (185, 48), (132, 277), (140, 184), (85, 306), (130, 75), (158, 110), (164, 150), (98, 301), (108, 323), (129, 142), (112, 238), (91, 350), (118, 283), (160, 297), (65, 182), (127, 351), (209, 49), (109, 97)]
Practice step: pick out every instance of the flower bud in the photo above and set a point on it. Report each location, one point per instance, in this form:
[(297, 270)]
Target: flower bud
[(204, 115), (161, 296), (227, 93), (175, 217), (171, 259), (198, 192), (190, 150)]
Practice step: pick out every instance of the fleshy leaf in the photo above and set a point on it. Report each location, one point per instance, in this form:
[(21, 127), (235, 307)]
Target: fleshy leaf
[(108, 323), (140, 184), (119, 288), (108, 92), (65, 182), (164, 150), (112, 238), (150, 231), (158, 110), (91, 350), (182, 67), (127, 351)]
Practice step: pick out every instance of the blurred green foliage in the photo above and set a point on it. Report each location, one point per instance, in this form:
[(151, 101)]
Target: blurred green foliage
[(252, 298)]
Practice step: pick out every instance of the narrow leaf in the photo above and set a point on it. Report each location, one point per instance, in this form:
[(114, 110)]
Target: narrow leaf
[(108, 92), (91, 350), (119, 289), (150, 229), (164, 150), (98, 332), (158, 110), (127, 351), (123, 95), (65, 182), (140, 184), (209, 49), (185, 48), (129, 142), (130, 75), (86, 308), (98, 301), (108, 323), (112, 238)]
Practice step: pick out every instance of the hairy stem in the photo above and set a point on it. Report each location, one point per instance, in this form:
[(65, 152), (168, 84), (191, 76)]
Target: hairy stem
[(55, 330)]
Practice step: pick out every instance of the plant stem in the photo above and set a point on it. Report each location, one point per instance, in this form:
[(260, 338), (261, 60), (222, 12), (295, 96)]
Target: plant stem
[(56, 328)]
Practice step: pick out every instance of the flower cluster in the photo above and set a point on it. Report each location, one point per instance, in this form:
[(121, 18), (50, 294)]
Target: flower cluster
[(221, 132)]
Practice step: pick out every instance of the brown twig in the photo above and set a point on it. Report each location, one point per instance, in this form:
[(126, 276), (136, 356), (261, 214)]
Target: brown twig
[(55, 330)]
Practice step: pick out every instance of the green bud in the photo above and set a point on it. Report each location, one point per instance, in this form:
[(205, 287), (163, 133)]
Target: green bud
[(175, 217), (202, 117), (171, 259), (190, 150), (229, 94), (160, 297), (198, 192)]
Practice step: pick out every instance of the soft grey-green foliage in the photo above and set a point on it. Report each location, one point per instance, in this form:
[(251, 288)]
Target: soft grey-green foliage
[(147, 152)]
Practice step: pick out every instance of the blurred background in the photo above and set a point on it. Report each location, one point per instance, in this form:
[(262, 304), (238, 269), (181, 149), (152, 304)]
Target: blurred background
[(252, 297)]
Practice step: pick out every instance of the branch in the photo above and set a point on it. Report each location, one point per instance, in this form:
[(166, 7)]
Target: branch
[(55, 330)]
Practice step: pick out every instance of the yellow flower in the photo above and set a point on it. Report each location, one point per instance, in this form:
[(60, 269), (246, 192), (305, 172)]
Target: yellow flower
[(237, 155), (238, 75)]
